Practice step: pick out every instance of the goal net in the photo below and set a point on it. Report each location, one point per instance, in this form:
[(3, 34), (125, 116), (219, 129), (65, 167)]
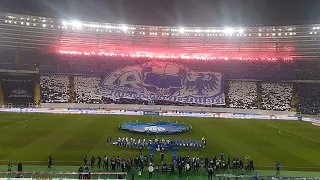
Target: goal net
[(62, 175)]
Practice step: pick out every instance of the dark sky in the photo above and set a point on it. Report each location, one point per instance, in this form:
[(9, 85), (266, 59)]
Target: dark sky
[(175, 12)]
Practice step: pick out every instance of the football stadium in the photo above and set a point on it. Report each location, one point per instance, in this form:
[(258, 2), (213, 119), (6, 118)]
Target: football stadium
[(96, 100)]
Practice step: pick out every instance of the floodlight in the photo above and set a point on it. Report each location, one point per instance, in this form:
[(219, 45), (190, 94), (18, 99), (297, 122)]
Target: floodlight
[(65, 23), (76, 24), (44, 25), (124, 28), (228, 31), (181, 30), (241, 30)]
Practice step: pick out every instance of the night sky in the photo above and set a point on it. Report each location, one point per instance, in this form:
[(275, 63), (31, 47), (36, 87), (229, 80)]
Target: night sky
[(175, 12)]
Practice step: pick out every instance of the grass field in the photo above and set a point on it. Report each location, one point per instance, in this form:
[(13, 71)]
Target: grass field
[(30, 138)]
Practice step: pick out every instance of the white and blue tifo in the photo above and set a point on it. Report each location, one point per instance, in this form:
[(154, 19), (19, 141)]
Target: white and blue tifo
[(159, 127)]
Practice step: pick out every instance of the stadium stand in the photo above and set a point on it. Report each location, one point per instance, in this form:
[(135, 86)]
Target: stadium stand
[(276, 96), (308, 101), (242, 95), (85, 89), (54, 88)]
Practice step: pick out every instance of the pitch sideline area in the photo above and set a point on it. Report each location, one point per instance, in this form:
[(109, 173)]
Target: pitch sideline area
[(193, 175), (69, 137)]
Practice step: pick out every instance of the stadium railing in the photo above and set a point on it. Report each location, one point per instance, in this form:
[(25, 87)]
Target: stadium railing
[(248, 177), (63, 175)]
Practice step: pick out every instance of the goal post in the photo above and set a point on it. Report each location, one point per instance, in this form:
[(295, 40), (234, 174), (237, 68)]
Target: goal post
[(63, 175)]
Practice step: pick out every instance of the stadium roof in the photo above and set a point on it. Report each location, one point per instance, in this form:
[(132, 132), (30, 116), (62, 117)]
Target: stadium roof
[(174, 12)]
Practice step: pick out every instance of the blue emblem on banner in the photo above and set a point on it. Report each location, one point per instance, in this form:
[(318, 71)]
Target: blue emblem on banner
[(164, 81)]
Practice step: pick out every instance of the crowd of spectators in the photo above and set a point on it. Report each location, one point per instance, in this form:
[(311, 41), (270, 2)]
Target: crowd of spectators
[(86, 89), (276, 96), (242, 94), (308, 101), (54, 89)]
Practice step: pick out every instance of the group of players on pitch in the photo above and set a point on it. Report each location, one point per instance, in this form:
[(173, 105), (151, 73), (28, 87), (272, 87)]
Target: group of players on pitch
[(143, 143)]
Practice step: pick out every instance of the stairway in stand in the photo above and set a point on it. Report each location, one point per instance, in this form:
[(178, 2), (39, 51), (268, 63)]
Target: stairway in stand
[(71, 87), (293, 106), (1, 95), (37, 90)]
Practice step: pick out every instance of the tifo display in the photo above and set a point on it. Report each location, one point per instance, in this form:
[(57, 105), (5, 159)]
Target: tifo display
[(159, 127)]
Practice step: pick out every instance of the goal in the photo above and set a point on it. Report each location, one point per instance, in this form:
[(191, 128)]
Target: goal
[(63, 175)]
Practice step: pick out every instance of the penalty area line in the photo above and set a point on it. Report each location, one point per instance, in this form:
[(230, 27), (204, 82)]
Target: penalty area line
[(283, 130), (21, 122)]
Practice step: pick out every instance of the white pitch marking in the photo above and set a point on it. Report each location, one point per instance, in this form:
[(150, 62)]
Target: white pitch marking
[(16, 123), (21, 127), (280, 130)]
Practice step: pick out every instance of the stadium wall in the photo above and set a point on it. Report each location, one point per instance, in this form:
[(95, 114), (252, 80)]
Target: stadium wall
[(166, 108)]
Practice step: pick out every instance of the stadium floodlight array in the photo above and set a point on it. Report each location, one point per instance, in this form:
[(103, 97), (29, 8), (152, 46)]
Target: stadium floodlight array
[(202, 56), (45, 22), (64, 175)]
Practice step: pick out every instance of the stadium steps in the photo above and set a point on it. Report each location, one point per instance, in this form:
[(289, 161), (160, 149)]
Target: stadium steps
[(294, 98), (259, 93), (37, 90), (1, 95), (71, 87)]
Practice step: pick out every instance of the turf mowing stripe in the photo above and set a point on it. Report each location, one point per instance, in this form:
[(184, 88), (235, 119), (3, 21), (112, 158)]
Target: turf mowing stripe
[(280, 130)]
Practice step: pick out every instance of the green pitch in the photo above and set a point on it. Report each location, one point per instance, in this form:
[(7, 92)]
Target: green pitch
[(30, 138)]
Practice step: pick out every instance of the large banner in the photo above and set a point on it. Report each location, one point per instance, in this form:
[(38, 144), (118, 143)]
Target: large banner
[(164, 81), (18, 89)]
